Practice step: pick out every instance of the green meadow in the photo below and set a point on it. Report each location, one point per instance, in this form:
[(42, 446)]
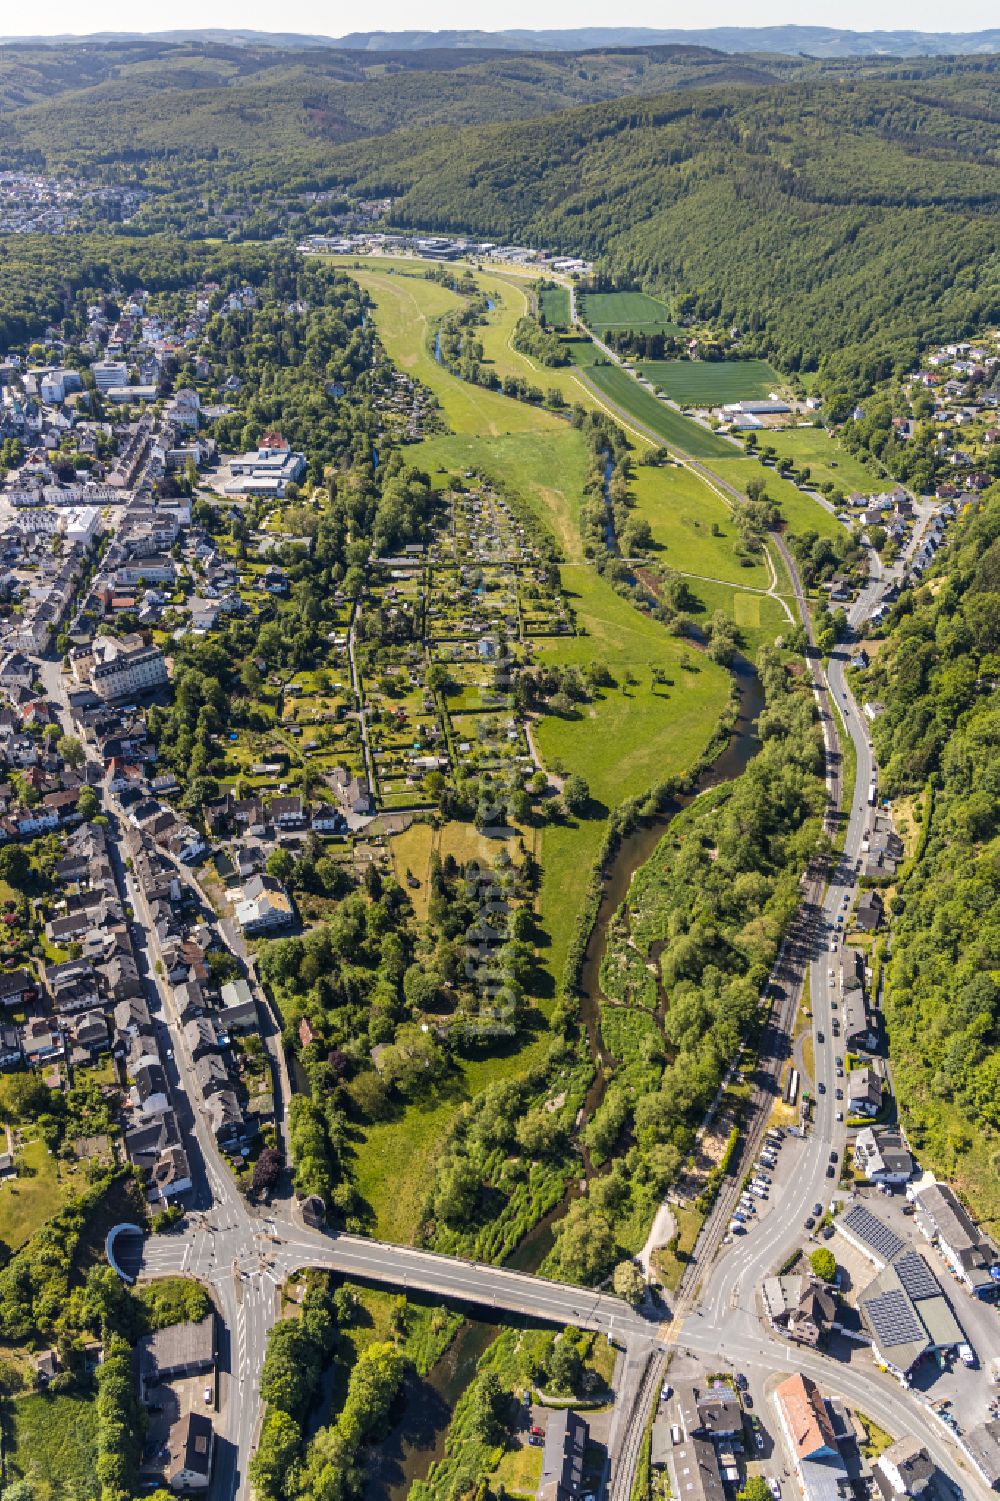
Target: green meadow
[(634, 310), (707, 383)]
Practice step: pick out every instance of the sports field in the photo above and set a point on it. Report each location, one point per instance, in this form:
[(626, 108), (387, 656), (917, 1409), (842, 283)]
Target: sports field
[(709, 383), (667, 424), (553, 302), (602, 310)]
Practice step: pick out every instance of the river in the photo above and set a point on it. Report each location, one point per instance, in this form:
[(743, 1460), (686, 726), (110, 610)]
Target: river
[(417, 1439)]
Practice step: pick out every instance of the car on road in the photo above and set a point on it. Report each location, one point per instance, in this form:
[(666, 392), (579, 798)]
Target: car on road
[(208, 1394), (758, 1439), (741, 1381), (839, 1115), (821, 1087), (819, 1035), (817, 1209)]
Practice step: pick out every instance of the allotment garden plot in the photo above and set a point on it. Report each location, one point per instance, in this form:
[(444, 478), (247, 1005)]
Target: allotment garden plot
[(441, 634)]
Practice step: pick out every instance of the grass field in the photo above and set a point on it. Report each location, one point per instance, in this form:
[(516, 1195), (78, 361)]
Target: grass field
[(826, 459), (27, 1202), (624, 392), (583, 352), (602, 310), (760, 617), (395, 1161), (55, 1441), (681, 510), (802, 513), (407, 307), (553, 302), (625, 742), (707, 383), (546, 469)]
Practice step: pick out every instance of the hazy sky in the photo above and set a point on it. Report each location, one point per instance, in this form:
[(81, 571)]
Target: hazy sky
[(60, 16)]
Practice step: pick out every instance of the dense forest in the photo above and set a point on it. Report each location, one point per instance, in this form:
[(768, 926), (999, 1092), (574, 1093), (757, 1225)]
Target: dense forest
[(937, 674)]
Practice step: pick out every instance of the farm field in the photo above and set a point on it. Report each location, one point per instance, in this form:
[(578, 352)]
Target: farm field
[(825, 458), (667, 424), (603, 310), (706, 383), (682, 510), (553, 303), (802, 513)]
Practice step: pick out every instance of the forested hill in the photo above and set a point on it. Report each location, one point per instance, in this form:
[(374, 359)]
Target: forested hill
[(841, 213), (938, 674), (848, 223)]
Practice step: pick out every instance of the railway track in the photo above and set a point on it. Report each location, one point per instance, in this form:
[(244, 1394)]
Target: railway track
[(648, 1392)]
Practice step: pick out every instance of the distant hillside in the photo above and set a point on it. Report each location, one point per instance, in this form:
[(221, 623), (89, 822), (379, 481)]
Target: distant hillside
[(791, 41), (841, 227), (814, 41)]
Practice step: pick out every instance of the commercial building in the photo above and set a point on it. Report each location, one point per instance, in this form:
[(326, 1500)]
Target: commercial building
[(970, 1254), (109, 374), (907, 1314)]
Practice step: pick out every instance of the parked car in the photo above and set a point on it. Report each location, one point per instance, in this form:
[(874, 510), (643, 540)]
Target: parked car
[(774, 1486)]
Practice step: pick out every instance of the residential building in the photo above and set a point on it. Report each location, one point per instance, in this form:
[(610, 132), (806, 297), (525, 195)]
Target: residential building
[(121, 673), (801, 1307), (864, 1092), (695, 1471), (907, 1467), (809, 1435), (263, 906), (190, 1447), (562, 1457), (882, 1157)]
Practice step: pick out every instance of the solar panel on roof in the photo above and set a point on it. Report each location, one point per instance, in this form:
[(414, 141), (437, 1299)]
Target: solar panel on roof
[(916, 1276), (892, 1318), (873, 1231)]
